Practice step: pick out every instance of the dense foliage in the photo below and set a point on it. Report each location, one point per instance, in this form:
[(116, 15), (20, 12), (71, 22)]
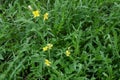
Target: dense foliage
[(62, 40)]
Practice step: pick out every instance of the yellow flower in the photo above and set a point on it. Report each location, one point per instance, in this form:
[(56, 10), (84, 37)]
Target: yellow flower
[(45, 16), (45, 48), (47, 62), (67, 53), (36, 13), (49, 46)]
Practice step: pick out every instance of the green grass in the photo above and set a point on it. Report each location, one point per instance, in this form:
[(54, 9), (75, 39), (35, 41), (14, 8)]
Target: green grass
[(89, 28)]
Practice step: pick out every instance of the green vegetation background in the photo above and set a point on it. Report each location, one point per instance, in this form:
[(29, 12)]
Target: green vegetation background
[(91, 28)]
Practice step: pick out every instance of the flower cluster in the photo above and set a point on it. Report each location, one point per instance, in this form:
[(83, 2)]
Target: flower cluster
[(47, 47), (47, 62), (67, 52), (36, 13)]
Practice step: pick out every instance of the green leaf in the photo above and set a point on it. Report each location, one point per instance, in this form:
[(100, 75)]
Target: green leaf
[(1, 57)]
